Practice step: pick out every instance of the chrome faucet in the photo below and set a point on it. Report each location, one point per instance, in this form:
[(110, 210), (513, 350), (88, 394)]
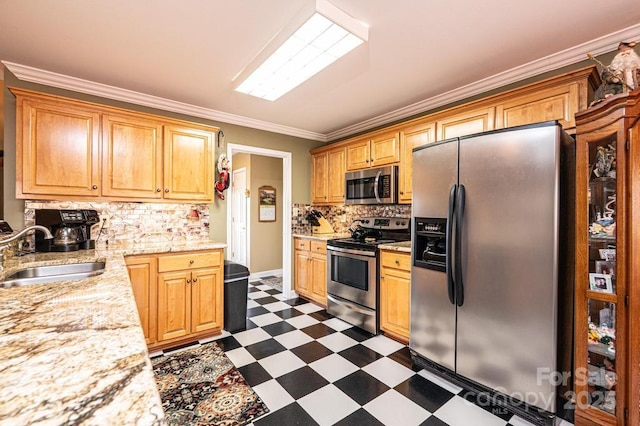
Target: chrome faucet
[(4, 243)]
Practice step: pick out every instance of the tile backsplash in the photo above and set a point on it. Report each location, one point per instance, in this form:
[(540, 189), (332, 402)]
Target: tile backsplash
[(137, 222), (341, 217)]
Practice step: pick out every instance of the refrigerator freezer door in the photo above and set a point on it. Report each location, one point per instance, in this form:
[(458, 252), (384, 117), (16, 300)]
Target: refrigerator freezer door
[(506, 336), (433, 316)]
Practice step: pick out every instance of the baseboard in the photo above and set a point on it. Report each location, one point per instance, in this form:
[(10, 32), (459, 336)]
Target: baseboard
[(257, 275)]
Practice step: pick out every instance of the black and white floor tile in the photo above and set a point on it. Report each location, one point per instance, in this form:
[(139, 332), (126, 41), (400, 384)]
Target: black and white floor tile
[(313, 369)]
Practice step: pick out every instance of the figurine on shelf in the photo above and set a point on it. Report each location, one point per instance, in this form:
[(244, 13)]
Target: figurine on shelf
[(605, 161), (626, 65)]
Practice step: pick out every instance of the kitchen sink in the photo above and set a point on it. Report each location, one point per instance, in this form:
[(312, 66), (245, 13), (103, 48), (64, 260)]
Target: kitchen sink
[(54, 273)]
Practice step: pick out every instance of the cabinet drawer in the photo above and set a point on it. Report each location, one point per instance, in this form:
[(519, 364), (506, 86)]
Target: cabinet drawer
[(302, 244), (319, 247), (397, 260), (177, 262)]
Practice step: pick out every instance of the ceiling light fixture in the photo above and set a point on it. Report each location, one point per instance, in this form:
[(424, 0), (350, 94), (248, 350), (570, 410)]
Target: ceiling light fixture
[(301, 50)]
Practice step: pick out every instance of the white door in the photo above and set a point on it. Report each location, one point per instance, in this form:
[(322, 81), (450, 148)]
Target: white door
[(239, 216)]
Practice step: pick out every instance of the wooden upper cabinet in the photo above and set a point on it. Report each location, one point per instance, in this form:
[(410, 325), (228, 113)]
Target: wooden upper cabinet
[(358, 155), (555, 103), (319, 178), (327, 177), (188, 163), (377, 150), (466, 123), (57, 149), (70, 149), (412, 137), (336, 160), (131, 157)]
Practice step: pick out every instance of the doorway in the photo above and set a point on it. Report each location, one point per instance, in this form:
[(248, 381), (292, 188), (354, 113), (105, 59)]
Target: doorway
[(239, 218), (286, 210)]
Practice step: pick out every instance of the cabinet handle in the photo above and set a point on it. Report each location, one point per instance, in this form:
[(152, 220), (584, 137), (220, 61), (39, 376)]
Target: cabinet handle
[(371, 160), (382, 277), (195, 280), (401, 192), (158, 190), (366, 160), (188, 281), (191, 262), (94, 187), (397, 262), (166, 190)]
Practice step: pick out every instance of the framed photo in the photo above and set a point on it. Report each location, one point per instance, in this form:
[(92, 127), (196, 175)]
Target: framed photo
[(600, 282), (605, 267), (267, 204), (608, 254)]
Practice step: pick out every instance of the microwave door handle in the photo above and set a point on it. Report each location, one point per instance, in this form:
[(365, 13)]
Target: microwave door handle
[(448, 247), (375, 186)]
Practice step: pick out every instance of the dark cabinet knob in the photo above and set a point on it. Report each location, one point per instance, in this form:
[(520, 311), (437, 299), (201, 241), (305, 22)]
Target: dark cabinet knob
[(188, 281), (158, 190), (195, 280), (94, 187), (166, 190)]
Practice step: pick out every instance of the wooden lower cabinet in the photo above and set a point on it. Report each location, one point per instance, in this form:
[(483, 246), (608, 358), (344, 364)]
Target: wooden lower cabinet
[(395, 294), (311, 269), (183, 299), (142, 274)]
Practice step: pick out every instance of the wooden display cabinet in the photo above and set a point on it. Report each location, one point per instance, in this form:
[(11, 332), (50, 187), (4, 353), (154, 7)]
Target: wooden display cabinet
[(607, 370)]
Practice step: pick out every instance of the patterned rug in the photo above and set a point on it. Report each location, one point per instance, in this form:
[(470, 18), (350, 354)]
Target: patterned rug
[(273, 282), (200, 386)]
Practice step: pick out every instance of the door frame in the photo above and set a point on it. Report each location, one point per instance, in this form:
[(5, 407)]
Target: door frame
[(286, 157), (232, 242)]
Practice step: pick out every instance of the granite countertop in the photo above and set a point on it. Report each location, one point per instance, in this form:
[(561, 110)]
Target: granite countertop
[(403, 246), (74, 351), (323, 237)]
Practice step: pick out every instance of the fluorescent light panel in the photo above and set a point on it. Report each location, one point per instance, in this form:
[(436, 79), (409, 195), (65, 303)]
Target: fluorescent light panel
[(314, 46)]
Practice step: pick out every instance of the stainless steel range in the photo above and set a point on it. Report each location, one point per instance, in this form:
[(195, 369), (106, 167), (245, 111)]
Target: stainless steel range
[(352, 269)]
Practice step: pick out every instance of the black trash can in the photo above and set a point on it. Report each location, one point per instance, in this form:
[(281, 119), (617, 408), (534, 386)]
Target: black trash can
[(236, 283)]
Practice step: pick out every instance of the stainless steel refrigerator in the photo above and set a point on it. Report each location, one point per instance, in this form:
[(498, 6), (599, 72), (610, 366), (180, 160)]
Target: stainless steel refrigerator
[(492, 275)]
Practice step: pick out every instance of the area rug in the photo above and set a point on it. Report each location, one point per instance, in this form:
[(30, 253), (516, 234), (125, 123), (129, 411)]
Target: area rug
[(201, 386), (273, 282)]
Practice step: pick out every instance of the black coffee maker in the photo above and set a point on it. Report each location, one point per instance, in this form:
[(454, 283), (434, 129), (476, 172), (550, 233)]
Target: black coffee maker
[(71, 229)]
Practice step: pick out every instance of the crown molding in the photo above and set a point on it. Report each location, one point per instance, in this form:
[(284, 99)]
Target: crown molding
[(61, 81), (552, 62)]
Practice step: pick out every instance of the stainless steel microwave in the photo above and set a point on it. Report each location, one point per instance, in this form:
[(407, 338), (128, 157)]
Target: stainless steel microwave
[(372, 186)]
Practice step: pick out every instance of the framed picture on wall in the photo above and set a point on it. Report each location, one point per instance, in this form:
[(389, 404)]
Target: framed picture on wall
[(267, 204)]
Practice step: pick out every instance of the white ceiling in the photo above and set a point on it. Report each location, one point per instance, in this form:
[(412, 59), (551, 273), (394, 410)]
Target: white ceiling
[(420, 53)]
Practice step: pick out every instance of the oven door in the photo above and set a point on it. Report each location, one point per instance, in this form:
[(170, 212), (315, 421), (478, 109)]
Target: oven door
[(352, 275)]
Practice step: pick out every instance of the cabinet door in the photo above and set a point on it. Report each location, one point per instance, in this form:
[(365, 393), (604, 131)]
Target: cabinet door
[(410, 138), (302, 284), (188, 163), (131, 157), (556, 103), (358, 155), (385, 149), (319, 278), (174, 305), (59, 147), (206, 300), (335, 175), (395, 301), (319, 179), (142, 274), (467, 123)]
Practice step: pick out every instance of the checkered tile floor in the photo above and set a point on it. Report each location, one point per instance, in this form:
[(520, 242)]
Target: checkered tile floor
[(311, 368)]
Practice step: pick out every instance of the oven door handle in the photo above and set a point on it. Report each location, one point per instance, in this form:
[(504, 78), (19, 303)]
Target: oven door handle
[(376, 191), (339, 250), (351, 306)]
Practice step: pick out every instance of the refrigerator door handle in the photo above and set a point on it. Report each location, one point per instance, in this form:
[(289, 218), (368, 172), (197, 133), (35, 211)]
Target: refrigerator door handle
[(460, 200), (376, 191), (448, 248)]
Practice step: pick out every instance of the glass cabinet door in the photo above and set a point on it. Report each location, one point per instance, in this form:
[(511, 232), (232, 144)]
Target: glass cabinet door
[(602, 376)]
